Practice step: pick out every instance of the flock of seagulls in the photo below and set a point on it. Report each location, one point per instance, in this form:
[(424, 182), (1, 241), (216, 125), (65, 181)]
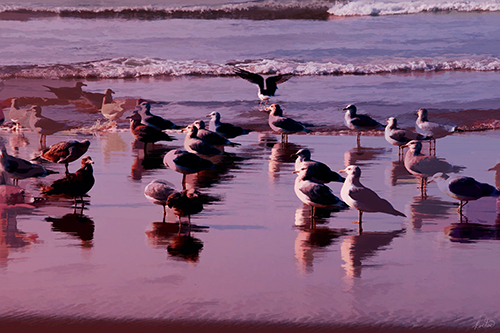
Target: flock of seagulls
[(202, 144)]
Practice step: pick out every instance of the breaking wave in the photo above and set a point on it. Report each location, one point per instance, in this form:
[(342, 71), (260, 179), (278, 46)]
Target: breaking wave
[(151, 67)]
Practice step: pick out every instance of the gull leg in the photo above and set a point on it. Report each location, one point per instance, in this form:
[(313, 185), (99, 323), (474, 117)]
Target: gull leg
[(164, 213), (360, 222)]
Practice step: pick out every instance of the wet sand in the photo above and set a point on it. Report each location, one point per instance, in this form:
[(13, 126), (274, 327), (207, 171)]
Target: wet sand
[(254, 255)]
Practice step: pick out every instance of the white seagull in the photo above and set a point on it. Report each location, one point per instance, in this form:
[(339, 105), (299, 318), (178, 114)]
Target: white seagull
[(463, 189), (320, 172), (283, 125), (399, 137), (430, 129), (359, 122), (158, 192), (362, 198)]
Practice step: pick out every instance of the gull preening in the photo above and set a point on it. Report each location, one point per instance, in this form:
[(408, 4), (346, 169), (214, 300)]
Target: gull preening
[(314, 194), (283, 125), (362, 198), (399, 137), (157, 192), (430, 129), (463, 189), (424, 166), (70, 93), (267, 87), (227, 130), (185, 203), (359, 122), (319, 172)]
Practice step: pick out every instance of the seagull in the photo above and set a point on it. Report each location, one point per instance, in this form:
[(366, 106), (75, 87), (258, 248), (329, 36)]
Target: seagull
[(148, 119), (115, 109), (399, 137), (359, 122), (227, 130), (424, 166), (283, 125), (195, 145), (43, 125), (158, 192), (18, 168), (74, 184), (97, 99), (19, 116), (65, 152), (362, 198), (314, 194), (146, 134), (430, 129), (70, 93), (463, 188), (319, 172), (186, 163), (267, 88), (217, 140), (185, 203)]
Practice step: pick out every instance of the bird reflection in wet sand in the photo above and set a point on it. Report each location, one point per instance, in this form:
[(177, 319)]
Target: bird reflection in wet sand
[(396, 173), (281, 155), (464, 232), (359, 155), (361, 248), (144, 163), (313, 239), (426, 212), (177, 239), (75, 224)]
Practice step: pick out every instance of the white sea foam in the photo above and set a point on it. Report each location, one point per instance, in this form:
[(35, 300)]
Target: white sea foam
[(135, 67), (373, 8)]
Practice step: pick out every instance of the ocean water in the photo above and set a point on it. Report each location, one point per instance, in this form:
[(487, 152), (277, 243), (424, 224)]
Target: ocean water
[(262, 258)]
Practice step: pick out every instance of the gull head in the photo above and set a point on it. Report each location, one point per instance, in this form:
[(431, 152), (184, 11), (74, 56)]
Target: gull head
[(351, 108), (352, 171)]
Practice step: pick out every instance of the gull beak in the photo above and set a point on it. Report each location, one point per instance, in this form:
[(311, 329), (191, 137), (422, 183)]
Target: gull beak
[(184, 129), (342, 171), (295, 171)]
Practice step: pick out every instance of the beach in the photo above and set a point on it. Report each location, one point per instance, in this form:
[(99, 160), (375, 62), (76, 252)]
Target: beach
[(254, 259)]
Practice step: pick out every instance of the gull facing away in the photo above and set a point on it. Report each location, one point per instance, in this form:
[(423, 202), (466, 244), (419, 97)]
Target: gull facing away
[(70, 93), (267, 87), (157, 192), (65, 152), (185, 203), (18, 168), (319, 172), (314, 194), (283, 125), (148, 119), (424, 166), (362, 198), (195, 145), (463, 189), (430, 129), (43, 125), (360, 122), (74, 184), (229, 131), (186, 163), (399, 137)]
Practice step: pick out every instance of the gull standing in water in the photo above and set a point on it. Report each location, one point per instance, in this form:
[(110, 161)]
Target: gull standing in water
[(195, 145), (424, 166), (65, 152), (186, 163), (149, 119), (319, 171), (19, 116), (70, 93), (268, 87), (462, 188), (18, 168), (229, 131), (359, 122), (362, 198), (185, 203), (217, 140), (146, 134), (158, 192), (283, 125), (432, 130), (399, 137), (43, 125), (314, 194)]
